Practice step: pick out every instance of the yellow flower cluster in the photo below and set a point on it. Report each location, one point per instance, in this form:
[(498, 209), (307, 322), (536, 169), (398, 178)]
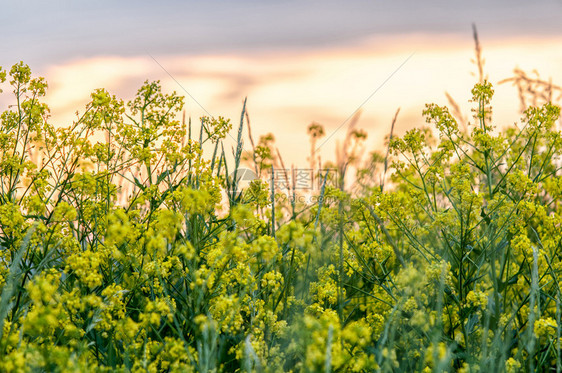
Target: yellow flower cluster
[(114, 255)]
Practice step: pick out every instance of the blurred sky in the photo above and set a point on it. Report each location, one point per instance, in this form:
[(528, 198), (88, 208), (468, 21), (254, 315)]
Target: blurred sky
[(296, 61)]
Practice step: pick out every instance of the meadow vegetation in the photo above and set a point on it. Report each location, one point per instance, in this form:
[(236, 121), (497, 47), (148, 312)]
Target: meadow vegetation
[(126, 244)]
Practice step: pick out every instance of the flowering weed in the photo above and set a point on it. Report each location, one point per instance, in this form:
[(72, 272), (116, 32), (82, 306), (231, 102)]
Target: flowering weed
[(113, 256)]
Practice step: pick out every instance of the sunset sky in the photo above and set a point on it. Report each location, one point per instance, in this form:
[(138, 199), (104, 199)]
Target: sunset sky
[(296, 61)]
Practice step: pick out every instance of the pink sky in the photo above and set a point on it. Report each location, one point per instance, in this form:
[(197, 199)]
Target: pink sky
[(296, 61)]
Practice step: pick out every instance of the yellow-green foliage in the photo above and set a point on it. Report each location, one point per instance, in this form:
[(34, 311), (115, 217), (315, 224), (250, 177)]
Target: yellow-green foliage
[(124, 246)]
